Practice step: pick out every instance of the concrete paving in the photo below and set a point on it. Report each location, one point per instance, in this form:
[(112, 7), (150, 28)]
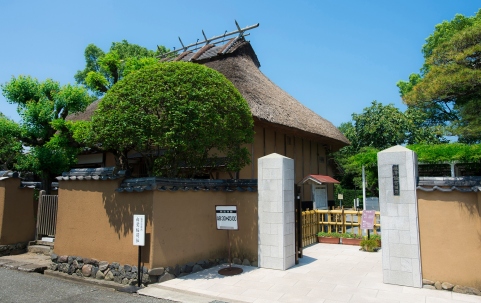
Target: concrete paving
[(27, 262), (327, 273)]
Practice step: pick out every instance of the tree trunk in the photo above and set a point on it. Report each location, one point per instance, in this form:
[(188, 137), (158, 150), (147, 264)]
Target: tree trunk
[(121, 160), (46, 183)]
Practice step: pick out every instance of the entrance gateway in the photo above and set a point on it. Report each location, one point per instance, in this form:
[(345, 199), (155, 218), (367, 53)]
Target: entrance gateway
[(277, 230)]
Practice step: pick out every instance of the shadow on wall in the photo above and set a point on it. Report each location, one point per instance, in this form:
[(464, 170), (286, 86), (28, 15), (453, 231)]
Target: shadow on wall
[(472, 209), (473, 212), (245, 246), (121, 207)]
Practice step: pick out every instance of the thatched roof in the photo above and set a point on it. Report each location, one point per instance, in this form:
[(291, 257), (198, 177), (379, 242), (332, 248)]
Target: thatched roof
[(87, 114), (267, 101), (269, 104)]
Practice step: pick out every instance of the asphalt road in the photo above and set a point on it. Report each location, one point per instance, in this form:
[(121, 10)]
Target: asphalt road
[(16, 286)]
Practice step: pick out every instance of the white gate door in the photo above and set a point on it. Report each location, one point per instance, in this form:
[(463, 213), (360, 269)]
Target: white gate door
[(320, 197)]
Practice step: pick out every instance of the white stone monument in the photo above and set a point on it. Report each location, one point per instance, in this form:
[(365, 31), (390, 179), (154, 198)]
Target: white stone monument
[(401, 261), (276, 211)]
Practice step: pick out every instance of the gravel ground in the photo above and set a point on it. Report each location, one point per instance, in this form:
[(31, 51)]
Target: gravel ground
[(18, 286), (30, 258)]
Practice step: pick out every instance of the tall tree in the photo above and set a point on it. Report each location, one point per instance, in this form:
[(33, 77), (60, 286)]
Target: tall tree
[(188, 113), (382, 126), (379, 127), (448, 90), (102, 70), (10, 145), (43, 107)]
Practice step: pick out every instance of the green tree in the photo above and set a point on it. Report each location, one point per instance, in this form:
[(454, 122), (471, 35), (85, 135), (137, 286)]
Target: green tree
[(448, 90), (10, 145), (379, 127), (367, 157), (43, 107), (189, 114), (382, 126), (103, 70)]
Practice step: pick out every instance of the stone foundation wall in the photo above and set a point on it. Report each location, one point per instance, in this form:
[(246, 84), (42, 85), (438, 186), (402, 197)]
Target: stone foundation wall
[(127, 274), (13, 249), (450, 287)]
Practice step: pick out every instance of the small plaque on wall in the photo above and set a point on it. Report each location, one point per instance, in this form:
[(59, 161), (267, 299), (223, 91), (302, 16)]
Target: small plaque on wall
[(395, 179)]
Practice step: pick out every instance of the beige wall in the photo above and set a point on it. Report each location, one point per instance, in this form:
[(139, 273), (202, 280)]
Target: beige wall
[(185, 227), (94, 221), (17, 222), (450, 235)]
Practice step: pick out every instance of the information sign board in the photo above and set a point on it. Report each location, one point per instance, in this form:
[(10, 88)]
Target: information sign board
[(226, 216), (395, 179), (368, 219), (139, 230)]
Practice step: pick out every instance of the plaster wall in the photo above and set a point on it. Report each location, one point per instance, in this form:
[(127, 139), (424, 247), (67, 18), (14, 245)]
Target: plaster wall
[(94, 221), (2, 207), (450, 233), (17, 221), (185, 227)]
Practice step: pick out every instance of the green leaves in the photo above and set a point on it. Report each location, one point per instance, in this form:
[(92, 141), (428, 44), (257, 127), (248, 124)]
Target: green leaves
[(10, 145), (43, 107), (103, 70), (40, 103), (188, 112), (379, 127), (443, 153), (449, 88)]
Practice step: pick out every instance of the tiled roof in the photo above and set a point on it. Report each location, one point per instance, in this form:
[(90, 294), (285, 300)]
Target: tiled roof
[(164, 184), (103, 173), (319, 179), (37, 185), (450, 189), (5, 174), (448, 184)]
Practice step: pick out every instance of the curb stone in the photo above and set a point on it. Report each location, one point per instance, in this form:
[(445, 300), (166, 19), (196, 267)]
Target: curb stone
[(32, 268), (79, 279)]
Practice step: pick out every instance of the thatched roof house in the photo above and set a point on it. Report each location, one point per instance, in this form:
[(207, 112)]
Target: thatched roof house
[(268, 103)]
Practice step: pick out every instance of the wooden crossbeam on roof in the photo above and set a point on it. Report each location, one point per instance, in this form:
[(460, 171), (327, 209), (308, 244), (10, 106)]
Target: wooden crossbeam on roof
[(240, 32)]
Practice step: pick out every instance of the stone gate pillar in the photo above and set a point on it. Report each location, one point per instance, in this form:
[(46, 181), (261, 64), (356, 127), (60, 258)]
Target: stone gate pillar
[(276, 211), (401, 261)]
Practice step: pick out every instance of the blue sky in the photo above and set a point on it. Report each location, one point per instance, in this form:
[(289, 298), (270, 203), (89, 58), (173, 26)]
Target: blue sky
[(335, 57)]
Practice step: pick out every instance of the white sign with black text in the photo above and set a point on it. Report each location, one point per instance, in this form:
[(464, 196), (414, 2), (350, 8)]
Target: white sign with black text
[(226, 216), (139, 230)]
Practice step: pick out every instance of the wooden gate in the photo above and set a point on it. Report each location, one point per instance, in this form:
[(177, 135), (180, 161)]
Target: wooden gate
[(46, 215), (298, 223)]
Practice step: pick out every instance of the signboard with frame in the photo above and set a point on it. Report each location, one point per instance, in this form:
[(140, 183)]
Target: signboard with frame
[(368, 217), (139, 230), (226, 217)]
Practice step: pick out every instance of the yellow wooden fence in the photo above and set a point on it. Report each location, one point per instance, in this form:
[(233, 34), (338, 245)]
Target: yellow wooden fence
[(336, 220)]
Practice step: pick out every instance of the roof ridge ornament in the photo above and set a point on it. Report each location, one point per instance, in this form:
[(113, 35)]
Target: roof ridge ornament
[(222, 38)]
